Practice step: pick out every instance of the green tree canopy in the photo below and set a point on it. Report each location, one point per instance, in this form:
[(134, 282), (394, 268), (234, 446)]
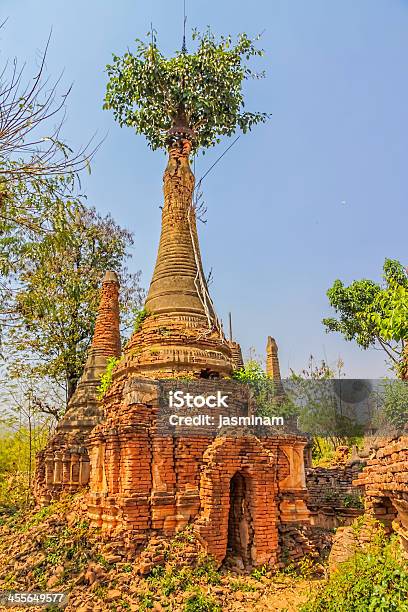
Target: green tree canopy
[(322, 414), (50, 289), (371, 313), (392, 406), (28, 210), (201, 91)]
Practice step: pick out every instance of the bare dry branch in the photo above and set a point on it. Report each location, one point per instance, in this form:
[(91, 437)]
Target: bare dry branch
[(29, 146)]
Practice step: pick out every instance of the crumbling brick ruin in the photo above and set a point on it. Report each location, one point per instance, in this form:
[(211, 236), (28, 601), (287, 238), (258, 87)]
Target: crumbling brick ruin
[(385, 480), (64, 464), (239, 491), (333, 498)]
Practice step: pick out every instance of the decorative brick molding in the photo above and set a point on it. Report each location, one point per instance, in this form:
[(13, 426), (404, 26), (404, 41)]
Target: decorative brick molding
[(249, 521), (236, 355), (143, 482)]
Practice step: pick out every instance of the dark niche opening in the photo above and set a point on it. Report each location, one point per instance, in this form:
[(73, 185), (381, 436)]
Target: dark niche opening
[(208, 374), (240, 527), (386, 513)]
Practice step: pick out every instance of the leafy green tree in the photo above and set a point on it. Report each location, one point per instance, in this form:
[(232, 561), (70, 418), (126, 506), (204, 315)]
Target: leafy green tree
[(374, 314), (200, 93), (392, 404), (28, 211), (184, 103), (269, 401), (51, 291), (375, 579), (321, 413)]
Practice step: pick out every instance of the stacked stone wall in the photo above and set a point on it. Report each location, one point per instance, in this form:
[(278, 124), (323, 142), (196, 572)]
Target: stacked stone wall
[(333, 499)]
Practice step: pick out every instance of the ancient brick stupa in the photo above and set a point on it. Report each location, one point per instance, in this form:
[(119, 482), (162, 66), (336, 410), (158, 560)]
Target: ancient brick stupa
[(64, 464), (238, 491)]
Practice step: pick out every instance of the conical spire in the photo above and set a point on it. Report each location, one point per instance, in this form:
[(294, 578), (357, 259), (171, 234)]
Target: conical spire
[(106, 338), (83, 411), (64, 463), (178, 283), (272, 365), (181, 329)]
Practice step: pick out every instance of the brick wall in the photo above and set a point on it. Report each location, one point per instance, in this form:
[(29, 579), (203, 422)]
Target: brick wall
[(332, 496), (385, 480)]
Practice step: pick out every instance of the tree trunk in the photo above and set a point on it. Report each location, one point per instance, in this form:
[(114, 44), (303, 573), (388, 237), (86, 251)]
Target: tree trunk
[(404, 368), (72, 382)]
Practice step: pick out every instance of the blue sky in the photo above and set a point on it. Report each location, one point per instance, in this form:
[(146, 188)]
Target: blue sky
[(318, 193)]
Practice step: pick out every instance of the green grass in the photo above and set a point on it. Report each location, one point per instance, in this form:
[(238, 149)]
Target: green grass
[(199, 602)]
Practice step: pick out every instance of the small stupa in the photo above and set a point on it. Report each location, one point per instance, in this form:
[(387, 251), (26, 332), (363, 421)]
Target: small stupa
[(64, 464)]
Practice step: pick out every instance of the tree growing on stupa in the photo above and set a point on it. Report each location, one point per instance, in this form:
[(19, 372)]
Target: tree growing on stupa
[(183, 104), (198, 93)]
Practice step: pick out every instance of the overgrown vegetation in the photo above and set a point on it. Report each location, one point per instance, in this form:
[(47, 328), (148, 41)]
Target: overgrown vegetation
[(51, 546), (139, 316), (55, 545), (106, 377), (392, 409), (323, 413), (176, 579), (52, 289), (25, 425), (199, 602), (199, 91), (353, 500), (374, 580), (265, 391)]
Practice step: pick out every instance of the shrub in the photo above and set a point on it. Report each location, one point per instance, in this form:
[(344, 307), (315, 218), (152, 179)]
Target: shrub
[(106, 378), (206, 568), (353, 500), (259, 572), (198, 602), (375, 580), (146, 602), (264, 390), (140, 316)]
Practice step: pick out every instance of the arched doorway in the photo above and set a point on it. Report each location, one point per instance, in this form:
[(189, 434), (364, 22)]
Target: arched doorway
[(238, 497), (240, 520)]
